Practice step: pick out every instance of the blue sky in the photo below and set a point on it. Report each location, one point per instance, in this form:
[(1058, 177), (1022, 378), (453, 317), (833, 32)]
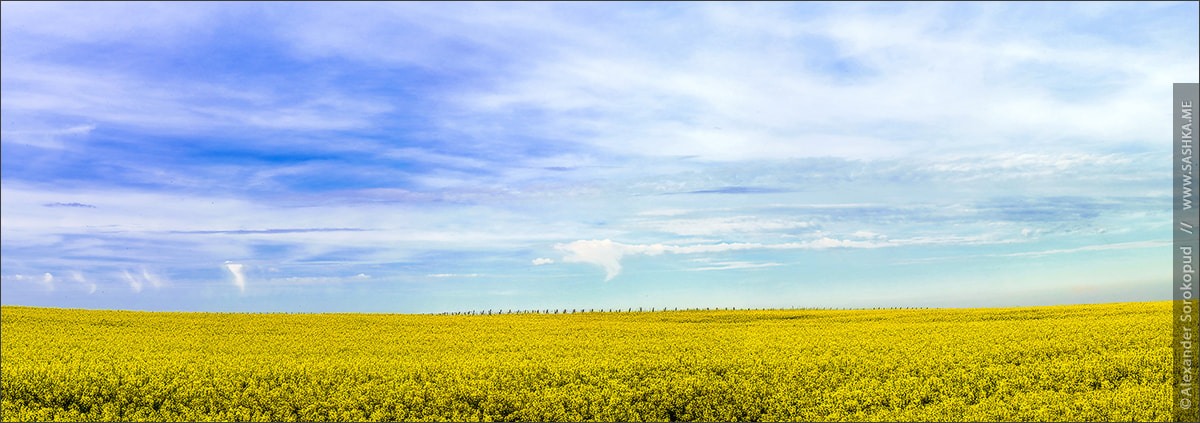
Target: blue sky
[(421, 157)]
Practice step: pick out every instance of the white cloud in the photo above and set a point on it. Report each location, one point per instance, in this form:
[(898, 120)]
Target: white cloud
[(423, 155), (134, 283), (239, 278), (139, 282), (608, 254), (665, 212), (1102, 247), (1116, 246), (47, 281), (746, 97), (143, 24), (540, 261), (724, 225), (869, 235), (731, 265), (154, 280), (216, 227), (313, 280), (831, 243), (1030, 166), (47, 138), (45, 91), (78, 277)]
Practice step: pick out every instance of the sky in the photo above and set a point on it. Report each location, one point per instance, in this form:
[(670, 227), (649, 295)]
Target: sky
[(430, 157)]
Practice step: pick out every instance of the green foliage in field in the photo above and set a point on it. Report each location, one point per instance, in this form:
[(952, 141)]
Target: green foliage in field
[(1079, 363)]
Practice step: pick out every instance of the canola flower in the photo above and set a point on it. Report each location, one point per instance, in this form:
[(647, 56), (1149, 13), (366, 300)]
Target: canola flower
[(1103, 362)]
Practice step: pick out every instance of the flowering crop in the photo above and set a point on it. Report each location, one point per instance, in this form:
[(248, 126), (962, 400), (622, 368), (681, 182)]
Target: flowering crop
[(1065, 363)]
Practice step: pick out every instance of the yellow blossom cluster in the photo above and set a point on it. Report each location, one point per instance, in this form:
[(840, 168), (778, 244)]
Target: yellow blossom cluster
[(1105, 362)]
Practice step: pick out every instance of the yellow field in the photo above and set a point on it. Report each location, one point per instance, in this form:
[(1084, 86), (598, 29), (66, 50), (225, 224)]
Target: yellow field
[(1106, 362)]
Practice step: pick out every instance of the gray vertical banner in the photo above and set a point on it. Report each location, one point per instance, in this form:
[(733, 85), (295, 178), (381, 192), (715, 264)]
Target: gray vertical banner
[(1186, 226)]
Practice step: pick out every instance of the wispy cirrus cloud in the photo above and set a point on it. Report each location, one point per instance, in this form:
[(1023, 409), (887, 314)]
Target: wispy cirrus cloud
[(47, 281), (733, 265), (270, 231), (55, 138), (736, 190), (725, 225), (88, 285), (303, 281), (608, 254), (740, 100), (137, 282), (239, 278), (1043, 253), (79, 205)]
